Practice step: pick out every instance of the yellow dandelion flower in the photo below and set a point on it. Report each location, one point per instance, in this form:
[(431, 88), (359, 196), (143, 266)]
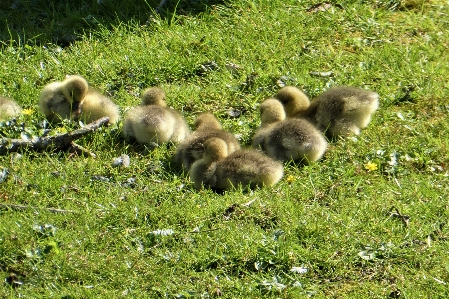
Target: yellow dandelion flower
[(371, 166), (290, 179), (61, 130), (27, 111)]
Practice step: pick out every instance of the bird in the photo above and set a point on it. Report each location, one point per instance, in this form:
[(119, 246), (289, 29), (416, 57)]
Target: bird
[(339, 111), (220, 170), (8, 108), (74, 99), (61, 100), (294, 101), (153, 121), (344, 110), (287, 139), (192, 148), (96, 105)]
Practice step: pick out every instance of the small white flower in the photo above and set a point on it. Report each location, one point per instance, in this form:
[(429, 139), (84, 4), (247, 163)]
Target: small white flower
[(163, 232), (408, 158), (299, 270), (380, 152), (393, 161)]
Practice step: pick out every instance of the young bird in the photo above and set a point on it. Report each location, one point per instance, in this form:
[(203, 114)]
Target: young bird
[(340, 111), (287, 139), (223, 171), (344, 110), (74, 99), (8, 108), (296, 103), (153, 121), (61, 100), (95, 106), (192, 148)]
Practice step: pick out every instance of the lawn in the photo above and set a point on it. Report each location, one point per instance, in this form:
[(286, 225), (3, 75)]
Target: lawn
[(369, 220)]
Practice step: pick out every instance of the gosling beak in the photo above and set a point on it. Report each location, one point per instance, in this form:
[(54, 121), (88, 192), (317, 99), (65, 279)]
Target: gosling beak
[(76, 110)]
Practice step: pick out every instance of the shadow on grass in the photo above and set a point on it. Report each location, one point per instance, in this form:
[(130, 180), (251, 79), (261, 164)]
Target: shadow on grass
[(62, 22)]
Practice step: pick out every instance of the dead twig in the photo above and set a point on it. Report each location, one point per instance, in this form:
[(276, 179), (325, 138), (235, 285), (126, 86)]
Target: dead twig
[(78, 149), (59, 142), (394, 212), (21, 208), (246, 205)]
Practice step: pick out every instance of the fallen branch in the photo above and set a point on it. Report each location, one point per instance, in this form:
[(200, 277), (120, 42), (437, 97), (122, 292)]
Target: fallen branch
[(58, 142), (21, 208)]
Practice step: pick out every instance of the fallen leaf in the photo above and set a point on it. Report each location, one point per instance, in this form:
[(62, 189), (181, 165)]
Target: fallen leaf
[(123, 160), (322, 74), (319, 7), (232, 67), (207, 67), (3, 174)]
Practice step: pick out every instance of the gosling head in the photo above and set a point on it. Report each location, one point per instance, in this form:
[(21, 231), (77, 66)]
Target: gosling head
[(207, 121), (74, 88), (215, 149), (293, 99), (271, 111), (154, 96)]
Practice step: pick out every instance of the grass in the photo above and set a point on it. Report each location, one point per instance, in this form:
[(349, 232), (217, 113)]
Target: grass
[(145, 232)]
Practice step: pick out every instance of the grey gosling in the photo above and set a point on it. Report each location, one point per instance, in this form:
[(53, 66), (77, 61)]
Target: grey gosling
[(223, 171), (287, 139), (192, 148), (153, 121), (8, 108), (340, 111), (74, 99)]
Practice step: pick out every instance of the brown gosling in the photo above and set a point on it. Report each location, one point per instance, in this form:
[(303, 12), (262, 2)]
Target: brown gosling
[(340, 111), (74, 99), (287, 139), (8, 108), (153, 121), (223, 171), (192, 148)]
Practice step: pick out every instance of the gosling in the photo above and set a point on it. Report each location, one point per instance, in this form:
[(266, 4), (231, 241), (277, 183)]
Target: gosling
[(74, 99), (344, 110), (223, 171), (287, 139), (153, 121), (296, 103), (192, 148), (96, 105), (340, 111), (8, 108)]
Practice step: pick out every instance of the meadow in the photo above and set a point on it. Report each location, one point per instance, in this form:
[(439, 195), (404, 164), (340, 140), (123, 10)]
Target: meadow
[(369, 220)]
